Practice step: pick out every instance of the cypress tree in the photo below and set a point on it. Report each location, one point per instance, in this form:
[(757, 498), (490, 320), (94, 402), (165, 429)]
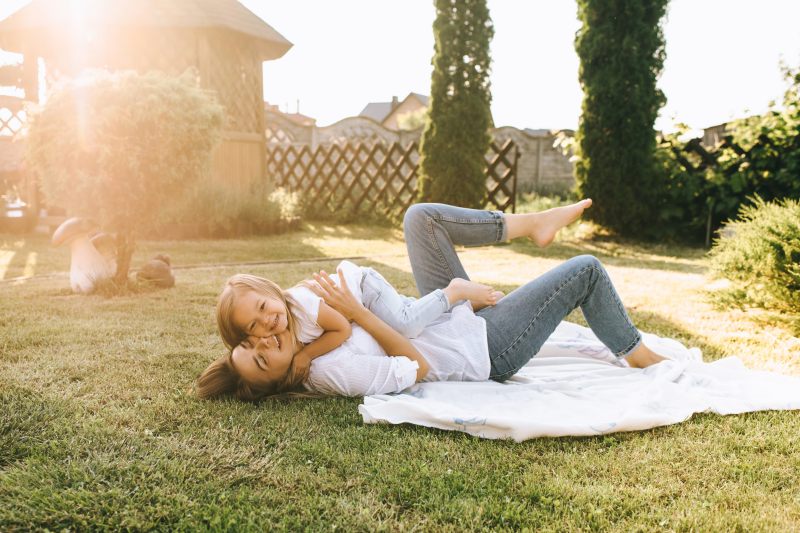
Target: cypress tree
[(456, 135), (621, 50)]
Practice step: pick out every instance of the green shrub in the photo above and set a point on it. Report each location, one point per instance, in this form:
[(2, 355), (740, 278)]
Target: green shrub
[(122, 147), (760, 254), (456, 136)]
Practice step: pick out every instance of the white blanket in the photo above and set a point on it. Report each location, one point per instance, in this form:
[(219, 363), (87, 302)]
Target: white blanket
[(575, 386)]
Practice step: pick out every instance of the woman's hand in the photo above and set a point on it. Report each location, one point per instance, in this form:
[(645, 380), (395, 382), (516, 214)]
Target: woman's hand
[(340, 298)]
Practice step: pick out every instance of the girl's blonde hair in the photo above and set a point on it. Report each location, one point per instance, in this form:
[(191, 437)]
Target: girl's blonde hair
[(239, 284)]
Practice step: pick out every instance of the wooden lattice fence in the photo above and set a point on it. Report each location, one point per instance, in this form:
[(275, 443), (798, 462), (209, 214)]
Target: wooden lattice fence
[(361, 176)]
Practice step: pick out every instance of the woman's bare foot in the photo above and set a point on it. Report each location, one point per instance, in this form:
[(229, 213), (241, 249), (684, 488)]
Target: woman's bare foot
[(642, 357), (542, 227), (548, 222), (478, 294)]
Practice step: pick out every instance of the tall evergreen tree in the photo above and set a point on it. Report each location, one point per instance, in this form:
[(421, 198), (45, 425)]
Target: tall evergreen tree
[(456, 136), (621, 49)]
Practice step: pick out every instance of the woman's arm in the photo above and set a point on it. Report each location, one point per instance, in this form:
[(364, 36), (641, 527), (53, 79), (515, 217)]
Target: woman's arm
[(342, 300)]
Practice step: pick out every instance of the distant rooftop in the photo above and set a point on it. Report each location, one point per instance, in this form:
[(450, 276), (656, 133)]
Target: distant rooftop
[(378, 111)]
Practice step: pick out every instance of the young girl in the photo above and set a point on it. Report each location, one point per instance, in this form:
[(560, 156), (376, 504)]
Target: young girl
[(250, 306)]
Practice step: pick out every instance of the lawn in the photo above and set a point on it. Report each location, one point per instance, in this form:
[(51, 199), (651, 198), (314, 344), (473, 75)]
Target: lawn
[(98, 429)]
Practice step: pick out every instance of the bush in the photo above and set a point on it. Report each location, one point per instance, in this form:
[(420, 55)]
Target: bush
[(121, 147), (760, 254)]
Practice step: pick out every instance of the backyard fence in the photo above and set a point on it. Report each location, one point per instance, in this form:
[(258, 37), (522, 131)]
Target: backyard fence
[(364, 176)]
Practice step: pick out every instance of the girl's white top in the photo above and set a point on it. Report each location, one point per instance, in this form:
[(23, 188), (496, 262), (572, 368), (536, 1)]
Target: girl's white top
[(454, 346)]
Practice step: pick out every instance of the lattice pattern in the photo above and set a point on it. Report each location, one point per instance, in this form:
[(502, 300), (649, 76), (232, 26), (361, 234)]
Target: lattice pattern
[(13, 117), (369, 176)]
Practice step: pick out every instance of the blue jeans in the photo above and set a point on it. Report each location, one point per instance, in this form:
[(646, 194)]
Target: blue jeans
[(521, 322), (408, 316)]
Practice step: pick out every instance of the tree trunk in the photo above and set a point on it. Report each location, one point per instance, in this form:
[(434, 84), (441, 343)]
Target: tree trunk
[(125, 247)]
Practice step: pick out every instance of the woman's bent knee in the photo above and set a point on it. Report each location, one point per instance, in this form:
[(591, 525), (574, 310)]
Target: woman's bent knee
[(416, 213), (587, 260)]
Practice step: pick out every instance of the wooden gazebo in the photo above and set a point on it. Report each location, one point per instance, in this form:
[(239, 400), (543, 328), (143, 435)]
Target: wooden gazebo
[(222, 39)]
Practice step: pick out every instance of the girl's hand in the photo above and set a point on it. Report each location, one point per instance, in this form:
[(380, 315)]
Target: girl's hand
[(340, 298), (301, 364)]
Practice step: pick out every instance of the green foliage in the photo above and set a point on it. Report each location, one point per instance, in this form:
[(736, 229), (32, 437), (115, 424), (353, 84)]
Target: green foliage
[(621, 47), (768, 164), (213, 209), (456, 136), (760, 254), (761, 157), (681, 211), (120, 147)]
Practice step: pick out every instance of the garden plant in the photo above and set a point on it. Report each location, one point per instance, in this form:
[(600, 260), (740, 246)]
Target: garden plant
[(121, 148)]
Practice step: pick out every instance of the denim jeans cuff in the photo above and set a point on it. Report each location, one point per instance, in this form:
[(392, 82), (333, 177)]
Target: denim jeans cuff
[(502, 228), (627, 351)]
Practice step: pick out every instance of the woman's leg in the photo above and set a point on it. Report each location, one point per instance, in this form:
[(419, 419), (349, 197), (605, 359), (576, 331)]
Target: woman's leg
[(432, 230), (523, 320)]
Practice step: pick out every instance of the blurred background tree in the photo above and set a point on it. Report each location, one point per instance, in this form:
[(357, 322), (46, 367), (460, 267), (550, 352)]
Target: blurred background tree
[(120, 148), (621, 50), (456, 136)]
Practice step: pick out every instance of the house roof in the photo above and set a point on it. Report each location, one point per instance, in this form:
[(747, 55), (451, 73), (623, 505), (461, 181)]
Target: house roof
[(421, 97), (41, 18), (376, 110), (379, 111)]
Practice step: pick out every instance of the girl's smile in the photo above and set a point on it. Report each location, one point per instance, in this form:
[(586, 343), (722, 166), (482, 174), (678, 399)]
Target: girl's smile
[(258, 315)]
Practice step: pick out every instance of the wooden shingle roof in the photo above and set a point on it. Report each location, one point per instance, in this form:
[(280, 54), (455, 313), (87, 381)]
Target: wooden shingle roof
[(47, 17)]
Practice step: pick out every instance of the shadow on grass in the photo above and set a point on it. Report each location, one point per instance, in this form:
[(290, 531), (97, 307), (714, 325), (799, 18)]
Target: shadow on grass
[(615, 253)]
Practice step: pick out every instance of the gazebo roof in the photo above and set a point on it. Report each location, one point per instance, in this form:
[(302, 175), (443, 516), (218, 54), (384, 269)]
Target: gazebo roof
[(46, 17)]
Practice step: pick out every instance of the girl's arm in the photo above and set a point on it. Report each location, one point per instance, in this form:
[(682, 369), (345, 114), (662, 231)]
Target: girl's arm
[(341, 299), (337, 330)]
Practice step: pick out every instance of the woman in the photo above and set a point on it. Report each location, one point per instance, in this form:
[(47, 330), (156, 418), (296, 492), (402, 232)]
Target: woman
[(493, 343)]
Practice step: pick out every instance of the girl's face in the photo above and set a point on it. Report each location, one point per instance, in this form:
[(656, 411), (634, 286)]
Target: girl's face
[(257, 315), (264, 360)]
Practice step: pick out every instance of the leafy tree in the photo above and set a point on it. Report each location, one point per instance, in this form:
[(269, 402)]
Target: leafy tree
[(120, 147), (760, 157), (621, 48), (456, 136)]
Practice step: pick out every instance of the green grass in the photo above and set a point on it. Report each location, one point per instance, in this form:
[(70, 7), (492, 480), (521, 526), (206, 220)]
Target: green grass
[(98, 429)]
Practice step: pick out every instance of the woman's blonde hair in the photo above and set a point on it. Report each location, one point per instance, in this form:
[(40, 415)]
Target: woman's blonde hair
[(221, 379), (239, 284)]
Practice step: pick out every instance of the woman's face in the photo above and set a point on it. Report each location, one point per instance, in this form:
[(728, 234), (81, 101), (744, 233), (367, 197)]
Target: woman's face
[(264, 360), (257, 315)]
